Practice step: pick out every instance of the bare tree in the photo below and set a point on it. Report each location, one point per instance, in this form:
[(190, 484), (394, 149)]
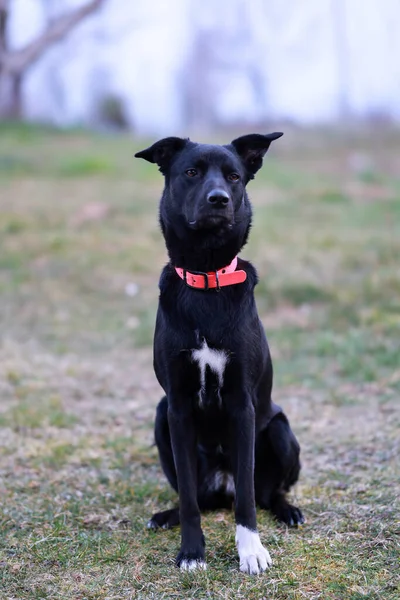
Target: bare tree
[(14, 64)]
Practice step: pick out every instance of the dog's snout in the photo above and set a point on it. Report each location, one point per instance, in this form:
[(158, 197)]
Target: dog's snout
[(218, 198)]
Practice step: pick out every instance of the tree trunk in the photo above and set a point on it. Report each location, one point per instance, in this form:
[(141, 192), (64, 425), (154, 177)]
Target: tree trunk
[(10, 82), (10, 95), (14, 65)]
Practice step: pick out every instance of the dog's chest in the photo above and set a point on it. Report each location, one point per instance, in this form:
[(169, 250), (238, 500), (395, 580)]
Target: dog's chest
[(211, 365)]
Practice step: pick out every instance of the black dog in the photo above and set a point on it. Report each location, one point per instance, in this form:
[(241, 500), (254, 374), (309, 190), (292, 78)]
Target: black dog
[(220, 438)]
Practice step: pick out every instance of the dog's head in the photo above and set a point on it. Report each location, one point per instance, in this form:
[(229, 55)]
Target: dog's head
[(205, 186)]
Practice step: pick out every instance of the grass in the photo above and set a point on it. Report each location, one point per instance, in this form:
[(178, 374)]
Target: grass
[(79, 264)]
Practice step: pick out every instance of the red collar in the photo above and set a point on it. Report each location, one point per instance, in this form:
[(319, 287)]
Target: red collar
[(213, 279)]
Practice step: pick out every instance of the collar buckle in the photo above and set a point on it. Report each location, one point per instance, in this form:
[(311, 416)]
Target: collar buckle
[(217, 287), (205, 275)]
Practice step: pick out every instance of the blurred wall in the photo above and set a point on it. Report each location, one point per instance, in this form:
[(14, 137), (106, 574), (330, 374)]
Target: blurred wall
[(185, 63)]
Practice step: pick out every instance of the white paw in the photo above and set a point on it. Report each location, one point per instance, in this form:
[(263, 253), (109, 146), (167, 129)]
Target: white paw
[(253, 557), (193, 565)]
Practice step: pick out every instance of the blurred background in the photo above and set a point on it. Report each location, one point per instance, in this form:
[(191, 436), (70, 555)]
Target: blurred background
[(157, 67), (83, 86)]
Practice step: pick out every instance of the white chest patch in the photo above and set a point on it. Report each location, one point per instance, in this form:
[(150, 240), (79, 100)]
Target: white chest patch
[(214, 359)]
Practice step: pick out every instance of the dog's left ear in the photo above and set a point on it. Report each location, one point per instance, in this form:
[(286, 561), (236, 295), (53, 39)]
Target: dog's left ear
[(163, 151), (252, 149)]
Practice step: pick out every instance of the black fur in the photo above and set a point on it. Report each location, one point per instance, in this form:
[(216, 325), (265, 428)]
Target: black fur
[(205, 217)]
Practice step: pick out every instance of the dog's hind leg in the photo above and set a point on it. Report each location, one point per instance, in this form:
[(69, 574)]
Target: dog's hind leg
[(277, 468), (167, 518), (163, 442)]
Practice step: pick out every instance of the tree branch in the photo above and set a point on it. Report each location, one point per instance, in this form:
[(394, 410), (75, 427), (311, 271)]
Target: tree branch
[(20, 60)]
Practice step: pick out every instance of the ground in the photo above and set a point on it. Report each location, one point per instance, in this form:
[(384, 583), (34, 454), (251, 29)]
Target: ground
[(80, 256)]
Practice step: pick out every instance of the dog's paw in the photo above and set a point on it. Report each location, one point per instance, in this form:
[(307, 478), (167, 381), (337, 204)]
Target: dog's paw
[(193, 559), (288, 514), (164, 520), (253, 557), (192, 565)]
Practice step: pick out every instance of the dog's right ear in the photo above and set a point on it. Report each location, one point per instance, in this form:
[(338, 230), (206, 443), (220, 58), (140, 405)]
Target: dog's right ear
[(163, 151)]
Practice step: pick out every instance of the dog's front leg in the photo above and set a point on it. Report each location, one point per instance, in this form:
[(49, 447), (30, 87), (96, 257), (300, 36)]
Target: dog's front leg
[(253, 557), (183, 439)]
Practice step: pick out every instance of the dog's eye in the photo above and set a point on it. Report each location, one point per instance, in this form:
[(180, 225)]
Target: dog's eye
[(191, 172), (233, 177)]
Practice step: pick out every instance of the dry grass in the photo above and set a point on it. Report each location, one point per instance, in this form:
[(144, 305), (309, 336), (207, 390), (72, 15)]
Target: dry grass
[(80, 257)]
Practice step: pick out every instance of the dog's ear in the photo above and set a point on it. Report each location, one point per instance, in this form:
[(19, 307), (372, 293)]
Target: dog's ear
[(163, 151), (252, 149)]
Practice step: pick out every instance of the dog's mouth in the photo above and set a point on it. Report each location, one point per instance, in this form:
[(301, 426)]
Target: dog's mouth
[(211, 222)]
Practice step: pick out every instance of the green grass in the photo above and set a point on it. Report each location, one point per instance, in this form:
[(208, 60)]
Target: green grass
[(79, 474)]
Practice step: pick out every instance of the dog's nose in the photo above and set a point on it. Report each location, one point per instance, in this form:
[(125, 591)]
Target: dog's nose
[(218, 198)]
